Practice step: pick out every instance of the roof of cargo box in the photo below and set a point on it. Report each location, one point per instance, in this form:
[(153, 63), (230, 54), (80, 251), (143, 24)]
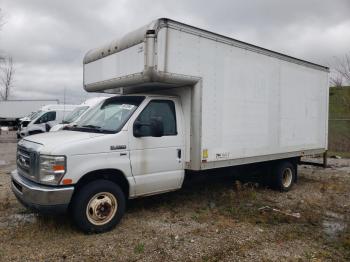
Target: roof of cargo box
[(138, 36)]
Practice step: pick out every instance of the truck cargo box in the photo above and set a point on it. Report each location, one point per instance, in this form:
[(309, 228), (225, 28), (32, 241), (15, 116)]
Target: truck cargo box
[(242, 103)]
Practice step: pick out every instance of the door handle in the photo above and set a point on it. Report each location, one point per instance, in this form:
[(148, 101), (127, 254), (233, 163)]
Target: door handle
[(179, 153)]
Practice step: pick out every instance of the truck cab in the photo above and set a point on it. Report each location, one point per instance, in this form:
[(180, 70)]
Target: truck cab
[(135, 141)]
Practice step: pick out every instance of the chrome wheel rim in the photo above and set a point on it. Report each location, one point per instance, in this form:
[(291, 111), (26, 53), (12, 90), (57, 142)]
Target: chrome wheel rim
[(101, 208), (287, 177)]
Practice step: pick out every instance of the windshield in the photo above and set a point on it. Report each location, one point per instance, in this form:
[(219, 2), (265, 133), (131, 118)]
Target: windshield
[(109, 116), (75, 114), (30, 115), (34, 114)]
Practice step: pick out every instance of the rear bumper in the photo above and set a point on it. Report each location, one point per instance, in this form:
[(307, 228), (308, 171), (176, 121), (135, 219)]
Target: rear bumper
[(43, 199)]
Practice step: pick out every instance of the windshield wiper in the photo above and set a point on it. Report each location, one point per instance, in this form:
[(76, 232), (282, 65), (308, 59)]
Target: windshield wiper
[(91, 126)]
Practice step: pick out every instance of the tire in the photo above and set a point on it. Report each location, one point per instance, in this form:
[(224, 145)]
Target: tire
[(284, 176), (98, 206)]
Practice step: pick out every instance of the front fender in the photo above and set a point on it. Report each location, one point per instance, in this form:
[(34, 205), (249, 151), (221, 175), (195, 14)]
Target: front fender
[(79, 165)]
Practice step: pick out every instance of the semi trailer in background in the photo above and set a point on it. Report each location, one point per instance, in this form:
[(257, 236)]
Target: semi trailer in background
[(11, 111), (187, 100)]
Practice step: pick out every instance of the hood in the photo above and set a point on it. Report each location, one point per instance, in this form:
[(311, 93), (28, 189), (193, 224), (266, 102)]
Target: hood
[(54, 140)]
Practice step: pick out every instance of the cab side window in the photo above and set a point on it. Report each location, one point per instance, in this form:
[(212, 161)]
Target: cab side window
[(164, 110), (49, 116)]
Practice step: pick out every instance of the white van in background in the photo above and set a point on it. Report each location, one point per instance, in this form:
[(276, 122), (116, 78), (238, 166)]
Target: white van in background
[(29, 117), (78, 113), (45, 118), (24, 121)]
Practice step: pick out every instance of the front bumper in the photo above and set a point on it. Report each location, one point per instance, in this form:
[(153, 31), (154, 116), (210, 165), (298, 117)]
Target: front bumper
[(40, 198)]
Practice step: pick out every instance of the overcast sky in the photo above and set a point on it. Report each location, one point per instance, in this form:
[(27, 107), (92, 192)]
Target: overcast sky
[(48, 39)]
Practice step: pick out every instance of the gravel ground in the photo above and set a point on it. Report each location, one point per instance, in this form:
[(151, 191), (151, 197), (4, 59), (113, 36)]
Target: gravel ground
[(214, 218)]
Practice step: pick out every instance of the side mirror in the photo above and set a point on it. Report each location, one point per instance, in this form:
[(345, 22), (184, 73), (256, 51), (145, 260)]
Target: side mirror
[(136, 129), (155, 125)]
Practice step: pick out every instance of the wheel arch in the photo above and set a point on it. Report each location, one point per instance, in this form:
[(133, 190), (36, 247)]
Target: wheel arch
[(114, 175)]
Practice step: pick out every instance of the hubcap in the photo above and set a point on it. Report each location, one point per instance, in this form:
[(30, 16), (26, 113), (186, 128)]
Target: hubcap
[(101, 208), (287, 177)]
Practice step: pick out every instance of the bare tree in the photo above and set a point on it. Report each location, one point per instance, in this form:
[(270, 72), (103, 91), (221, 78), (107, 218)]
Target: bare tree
[(336, 79), (7, 70), (6, 78), (342, 68), (2, 22)]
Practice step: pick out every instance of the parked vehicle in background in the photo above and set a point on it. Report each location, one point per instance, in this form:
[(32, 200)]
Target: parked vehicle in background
[(12, 110), (45, 118), (78, 113), (190, 100), (24, 121), (28, 117)]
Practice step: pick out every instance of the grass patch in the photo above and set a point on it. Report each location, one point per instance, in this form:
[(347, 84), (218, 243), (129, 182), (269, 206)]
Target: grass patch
[(339, 102), (339, 130), (341, 154), (139, 248), (339, 135)]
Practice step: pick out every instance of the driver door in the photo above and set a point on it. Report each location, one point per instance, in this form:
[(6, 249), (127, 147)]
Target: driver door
[(157, 162)]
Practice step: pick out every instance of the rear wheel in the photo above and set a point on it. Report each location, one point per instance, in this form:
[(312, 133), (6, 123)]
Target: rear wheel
[(98, 206), (284, 176)]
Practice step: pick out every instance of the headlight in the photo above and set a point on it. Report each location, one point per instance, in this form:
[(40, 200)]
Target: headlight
[(51, 169)]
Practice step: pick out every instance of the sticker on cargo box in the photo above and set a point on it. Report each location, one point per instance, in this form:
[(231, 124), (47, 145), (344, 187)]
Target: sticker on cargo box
[(205, 153), (225, 155)]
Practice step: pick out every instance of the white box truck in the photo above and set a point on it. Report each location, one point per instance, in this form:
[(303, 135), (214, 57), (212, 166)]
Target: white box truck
[(187, 100)]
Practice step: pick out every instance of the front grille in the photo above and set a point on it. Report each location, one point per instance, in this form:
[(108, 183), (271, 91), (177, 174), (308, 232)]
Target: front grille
[(23, 159), (26, 162)]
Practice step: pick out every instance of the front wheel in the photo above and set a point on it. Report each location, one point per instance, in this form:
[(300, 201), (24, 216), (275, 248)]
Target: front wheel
[(98, 206)]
